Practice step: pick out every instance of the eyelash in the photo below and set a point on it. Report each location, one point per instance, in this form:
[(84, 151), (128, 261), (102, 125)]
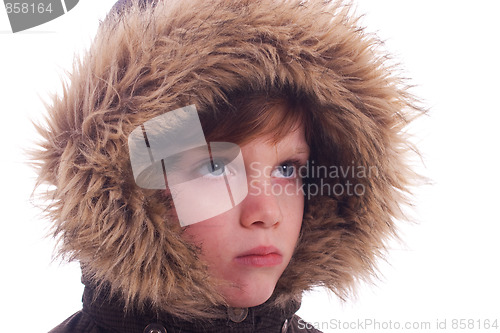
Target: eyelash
[(296, 164), (207, 165)]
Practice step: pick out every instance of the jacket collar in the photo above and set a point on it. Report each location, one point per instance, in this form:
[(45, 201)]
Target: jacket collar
[(109, 313)]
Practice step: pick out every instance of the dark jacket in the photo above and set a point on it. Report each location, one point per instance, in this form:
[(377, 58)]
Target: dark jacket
[(102, 316)]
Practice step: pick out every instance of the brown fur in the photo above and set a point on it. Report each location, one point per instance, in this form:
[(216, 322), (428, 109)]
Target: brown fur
[(144, 62)]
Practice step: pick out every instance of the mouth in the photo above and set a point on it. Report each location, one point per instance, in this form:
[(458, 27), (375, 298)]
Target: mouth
[(261, 256)]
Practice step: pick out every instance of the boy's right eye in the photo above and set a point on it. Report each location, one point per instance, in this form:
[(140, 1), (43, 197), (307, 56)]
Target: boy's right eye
[(216, 168), (212, 169)]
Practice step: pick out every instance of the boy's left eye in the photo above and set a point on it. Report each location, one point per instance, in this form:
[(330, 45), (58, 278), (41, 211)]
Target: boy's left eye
[(286, 170)]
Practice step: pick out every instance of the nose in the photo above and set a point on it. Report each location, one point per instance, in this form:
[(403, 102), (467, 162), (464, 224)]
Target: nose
[(261, 208)]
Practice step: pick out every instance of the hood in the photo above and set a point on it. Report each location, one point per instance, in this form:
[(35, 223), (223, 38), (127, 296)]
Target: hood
[(148, 59)]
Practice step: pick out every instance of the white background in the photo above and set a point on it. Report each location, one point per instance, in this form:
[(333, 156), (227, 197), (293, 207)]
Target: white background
[(448, 267)]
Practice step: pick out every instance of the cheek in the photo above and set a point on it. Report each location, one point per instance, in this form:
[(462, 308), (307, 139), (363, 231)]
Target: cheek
[(211, 235), (207, 240), (292, 208), (290, 196), (200, 235)]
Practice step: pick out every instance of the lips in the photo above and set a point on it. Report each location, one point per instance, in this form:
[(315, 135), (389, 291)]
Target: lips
[(261, 256)]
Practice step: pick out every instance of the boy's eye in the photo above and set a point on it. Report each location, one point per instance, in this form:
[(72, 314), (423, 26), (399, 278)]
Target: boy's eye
[(213, 168), (285, 171), (216, 168)]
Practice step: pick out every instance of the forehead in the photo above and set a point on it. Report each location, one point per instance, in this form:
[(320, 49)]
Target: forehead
[(293, 143), (258, 119)]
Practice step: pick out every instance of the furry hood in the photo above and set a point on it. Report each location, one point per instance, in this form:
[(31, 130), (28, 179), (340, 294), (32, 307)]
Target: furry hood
[(146, 60)]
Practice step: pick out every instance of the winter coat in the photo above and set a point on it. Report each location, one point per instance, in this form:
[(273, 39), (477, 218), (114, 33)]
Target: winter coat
[(149, 58), (105, 316)]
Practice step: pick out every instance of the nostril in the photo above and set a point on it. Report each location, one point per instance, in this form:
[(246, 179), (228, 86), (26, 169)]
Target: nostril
[(265, 224)]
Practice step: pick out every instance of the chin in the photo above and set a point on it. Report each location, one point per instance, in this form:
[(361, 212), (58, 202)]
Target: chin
[(249, 295)]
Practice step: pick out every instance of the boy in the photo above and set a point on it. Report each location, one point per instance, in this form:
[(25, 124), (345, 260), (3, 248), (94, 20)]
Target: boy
[(212, 160)]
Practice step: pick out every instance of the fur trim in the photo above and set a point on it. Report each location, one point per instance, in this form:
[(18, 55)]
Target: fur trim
[(148, 60)]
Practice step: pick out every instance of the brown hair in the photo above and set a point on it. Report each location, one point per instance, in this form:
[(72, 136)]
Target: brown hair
[(249, 115)]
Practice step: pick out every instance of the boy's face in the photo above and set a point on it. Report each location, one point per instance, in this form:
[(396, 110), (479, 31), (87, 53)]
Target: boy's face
[(250, 245)]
